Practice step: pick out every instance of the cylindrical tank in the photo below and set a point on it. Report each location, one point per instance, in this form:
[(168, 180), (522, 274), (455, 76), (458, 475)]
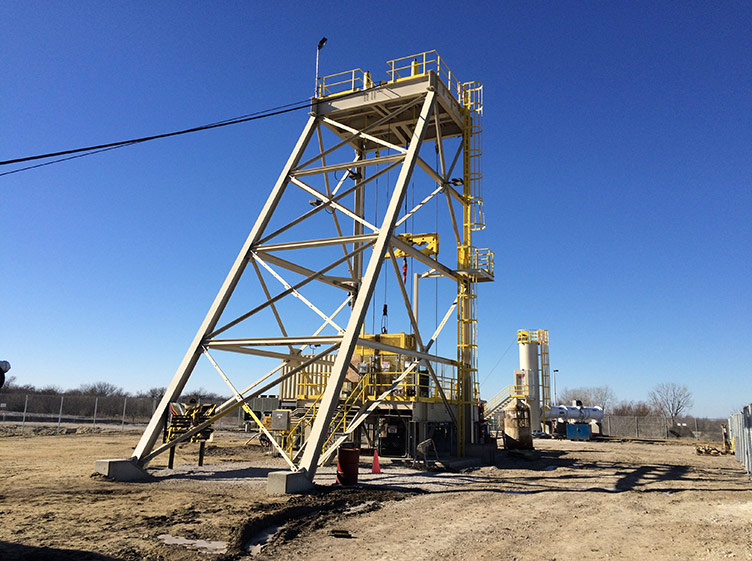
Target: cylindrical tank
[(529, 364), (570, 412), (517, 430), (529, 356)]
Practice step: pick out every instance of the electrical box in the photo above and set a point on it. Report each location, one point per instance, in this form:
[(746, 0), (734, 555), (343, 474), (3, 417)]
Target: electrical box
[(281, 419), (576, 431)]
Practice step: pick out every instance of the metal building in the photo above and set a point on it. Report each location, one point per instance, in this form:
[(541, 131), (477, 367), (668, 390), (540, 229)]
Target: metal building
[(350, 231)]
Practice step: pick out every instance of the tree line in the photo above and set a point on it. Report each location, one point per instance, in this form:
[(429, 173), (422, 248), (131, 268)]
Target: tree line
[(106, 389), (668, 400)]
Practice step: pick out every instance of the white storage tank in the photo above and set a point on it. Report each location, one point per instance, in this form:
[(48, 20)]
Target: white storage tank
[(580, 414)]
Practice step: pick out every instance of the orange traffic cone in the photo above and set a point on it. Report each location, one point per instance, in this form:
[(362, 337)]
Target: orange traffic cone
[(376, 467)]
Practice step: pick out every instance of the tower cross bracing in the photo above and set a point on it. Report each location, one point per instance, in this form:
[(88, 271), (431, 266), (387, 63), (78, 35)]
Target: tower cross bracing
[(371, 162)]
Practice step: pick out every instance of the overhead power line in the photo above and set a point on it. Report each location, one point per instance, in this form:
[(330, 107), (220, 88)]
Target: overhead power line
[(96, 149)]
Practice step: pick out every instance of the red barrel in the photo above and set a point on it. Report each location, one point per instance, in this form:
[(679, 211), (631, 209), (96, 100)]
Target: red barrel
[(348, 460)]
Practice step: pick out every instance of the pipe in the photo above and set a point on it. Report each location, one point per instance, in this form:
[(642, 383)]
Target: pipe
[(569, 412)]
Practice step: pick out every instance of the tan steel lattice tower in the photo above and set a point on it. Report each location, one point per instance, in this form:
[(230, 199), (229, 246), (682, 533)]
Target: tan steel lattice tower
[(372, 180)]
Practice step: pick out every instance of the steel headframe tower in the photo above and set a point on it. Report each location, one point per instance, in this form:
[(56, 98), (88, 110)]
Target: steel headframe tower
[(327, 228)]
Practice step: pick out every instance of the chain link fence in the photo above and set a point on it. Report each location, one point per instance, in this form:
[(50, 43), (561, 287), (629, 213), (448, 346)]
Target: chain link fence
[(658, 427), (740, 433), (27, 409)]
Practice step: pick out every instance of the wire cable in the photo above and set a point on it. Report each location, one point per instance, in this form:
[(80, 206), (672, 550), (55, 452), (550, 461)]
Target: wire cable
[(498, 361), (89, 150)]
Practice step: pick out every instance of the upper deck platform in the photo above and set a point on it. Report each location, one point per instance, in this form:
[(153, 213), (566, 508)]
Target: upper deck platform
[(351, 98)]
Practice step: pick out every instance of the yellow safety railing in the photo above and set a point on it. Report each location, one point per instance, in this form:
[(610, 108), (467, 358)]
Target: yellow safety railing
[(505, 396), (532, 335), (417, 386), (355, 400), (482, 259), (345, 82), (422, 63), (472, 96), (291, 437), (468, 94)]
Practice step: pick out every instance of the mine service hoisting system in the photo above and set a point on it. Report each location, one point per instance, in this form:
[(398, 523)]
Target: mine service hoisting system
[(381, 172)]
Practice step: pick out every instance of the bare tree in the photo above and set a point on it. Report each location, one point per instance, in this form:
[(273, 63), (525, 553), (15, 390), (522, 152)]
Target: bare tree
[(601, 396), (671, 400), (632, 409), (153, 393), (202, 396), (102, 389), (569, 395)]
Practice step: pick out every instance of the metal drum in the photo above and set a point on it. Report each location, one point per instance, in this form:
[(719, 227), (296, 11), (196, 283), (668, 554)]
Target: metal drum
[(348, 460)]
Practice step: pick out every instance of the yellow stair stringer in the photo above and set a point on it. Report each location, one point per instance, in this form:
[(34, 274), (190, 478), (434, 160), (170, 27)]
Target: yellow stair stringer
[(355, 399), (300, 426), (366, 409), (501, 399)]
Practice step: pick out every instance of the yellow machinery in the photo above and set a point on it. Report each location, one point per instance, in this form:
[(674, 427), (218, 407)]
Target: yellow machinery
[(184, 417)]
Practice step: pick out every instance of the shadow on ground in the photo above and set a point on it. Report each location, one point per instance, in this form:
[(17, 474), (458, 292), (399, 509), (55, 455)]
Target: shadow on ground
[(17, 552)]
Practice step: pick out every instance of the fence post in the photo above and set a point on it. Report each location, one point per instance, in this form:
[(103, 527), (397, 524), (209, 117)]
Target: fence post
[(122, 424), (697, 434), (609, 425), (60, 415), (96, 403), (23, 419), (637, 427)]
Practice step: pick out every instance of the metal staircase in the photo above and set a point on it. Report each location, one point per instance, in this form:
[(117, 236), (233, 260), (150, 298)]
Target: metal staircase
[(501, 399), (339, 424)]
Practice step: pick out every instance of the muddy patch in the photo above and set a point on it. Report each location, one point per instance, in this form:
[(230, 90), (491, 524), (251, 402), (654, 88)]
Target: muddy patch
[(274, 525)]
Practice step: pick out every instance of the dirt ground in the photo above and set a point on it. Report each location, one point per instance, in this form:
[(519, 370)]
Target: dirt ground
[(578, 500)]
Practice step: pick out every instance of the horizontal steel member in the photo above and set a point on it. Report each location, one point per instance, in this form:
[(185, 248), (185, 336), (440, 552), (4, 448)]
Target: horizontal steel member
[(348, 165), (317, 243), (407, 352), (273, 341)]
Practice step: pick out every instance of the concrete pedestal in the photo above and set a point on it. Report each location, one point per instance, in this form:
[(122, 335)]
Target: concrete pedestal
[(287, 482), (121, 470)]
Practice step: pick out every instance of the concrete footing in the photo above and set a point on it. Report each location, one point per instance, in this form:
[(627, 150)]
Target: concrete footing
[(287, 482), (121, 470)]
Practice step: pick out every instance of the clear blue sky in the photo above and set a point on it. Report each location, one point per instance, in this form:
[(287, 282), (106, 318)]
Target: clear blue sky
[(618, 177)]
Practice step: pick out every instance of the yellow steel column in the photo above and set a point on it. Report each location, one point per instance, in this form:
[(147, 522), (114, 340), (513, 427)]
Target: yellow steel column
[(464, 298)]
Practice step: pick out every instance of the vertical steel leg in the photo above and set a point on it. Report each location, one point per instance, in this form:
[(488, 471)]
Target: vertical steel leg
[(330, 398)]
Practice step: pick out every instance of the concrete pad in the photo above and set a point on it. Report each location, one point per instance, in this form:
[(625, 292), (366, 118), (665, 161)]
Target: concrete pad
[(121, 470), (287, 482)]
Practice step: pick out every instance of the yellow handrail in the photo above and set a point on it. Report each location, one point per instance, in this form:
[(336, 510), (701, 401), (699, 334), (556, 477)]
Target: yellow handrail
[(504, 396), (357, 397), (422, 63), (344, 82)]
